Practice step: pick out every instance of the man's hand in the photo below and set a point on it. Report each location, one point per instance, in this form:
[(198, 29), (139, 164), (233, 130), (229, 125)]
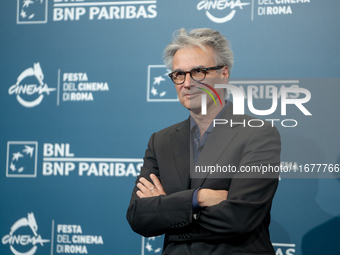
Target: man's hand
[(147, 189), (209, 197)]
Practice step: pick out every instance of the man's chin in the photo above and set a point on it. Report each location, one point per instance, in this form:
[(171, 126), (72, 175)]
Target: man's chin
[(195, 111), (195, 108), (191, 103)]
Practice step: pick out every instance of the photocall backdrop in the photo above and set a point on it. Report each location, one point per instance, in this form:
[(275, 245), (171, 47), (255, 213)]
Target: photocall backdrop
[(83, 87)]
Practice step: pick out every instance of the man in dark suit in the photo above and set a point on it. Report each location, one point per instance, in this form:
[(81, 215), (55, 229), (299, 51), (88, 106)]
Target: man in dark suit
[(200, 211)]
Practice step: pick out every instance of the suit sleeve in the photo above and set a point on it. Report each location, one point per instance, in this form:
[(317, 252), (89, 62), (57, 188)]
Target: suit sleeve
[(249, 197), (156, 215)]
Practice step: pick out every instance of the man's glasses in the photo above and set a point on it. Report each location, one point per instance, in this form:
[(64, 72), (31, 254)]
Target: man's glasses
[(197, 74)]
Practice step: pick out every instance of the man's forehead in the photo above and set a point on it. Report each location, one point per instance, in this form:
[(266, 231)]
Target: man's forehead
[(193, 57)]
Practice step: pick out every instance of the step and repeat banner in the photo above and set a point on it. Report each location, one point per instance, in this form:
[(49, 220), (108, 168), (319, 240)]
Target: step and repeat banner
[(83, 87)]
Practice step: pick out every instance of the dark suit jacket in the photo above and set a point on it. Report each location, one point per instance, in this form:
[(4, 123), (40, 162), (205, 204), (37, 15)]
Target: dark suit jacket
[(238, 225)]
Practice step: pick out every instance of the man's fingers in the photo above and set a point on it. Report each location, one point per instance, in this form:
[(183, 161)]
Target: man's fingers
[(146, 188), (146, 183), (140, 194), (157, 183), (143, 189), (149, 189)]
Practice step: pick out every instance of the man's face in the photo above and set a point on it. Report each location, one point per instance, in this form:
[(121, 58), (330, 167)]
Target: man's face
[(187, 59)]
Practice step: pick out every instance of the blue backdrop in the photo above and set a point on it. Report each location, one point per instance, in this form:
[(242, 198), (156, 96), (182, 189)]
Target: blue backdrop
[(83, 87)]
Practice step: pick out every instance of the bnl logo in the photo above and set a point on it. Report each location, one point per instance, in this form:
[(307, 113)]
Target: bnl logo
[(22, 159), (160, 88), (32, 11), (152, 245)]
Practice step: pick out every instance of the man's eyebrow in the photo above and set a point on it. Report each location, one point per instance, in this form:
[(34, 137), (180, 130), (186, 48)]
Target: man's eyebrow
[(177, 70), (180, 70), (198, 67)]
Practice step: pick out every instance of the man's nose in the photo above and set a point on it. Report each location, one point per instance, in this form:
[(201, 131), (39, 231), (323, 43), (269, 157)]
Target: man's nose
[(187, 82)]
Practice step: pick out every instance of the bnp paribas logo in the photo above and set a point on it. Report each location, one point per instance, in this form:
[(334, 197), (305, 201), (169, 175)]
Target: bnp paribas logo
[(216, 10), (160, 88), (21, 159), (31, 11)]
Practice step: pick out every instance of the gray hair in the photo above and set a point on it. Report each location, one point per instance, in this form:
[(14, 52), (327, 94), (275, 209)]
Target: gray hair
[(200, 37)]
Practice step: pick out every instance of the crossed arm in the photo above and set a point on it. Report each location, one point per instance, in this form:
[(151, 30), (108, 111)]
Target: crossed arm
[(233, 212), (205, 197)]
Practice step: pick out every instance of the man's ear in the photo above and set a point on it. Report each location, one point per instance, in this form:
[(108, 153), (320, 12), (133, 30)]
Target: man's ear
[(225, 72)]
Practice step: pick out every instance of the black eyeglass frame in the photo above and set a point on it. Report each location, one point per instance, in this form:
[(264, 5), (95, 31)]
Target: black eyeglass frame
[(204, 70)]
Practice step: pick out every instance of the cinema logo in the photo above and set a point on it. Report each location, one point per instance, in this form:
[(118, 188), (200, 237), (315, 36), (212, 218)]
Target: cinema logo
[(60, 161), (277, 7), (73, 10), (23, 238), (78, 87), (30, 87), (220, 6), (71, 239), (19, 241)]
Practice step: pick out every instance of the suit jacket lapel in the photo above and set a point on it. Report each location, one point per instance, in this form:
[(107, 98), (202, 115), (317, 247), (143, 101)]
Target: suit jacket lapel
[(180, 142), (217, 142)]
